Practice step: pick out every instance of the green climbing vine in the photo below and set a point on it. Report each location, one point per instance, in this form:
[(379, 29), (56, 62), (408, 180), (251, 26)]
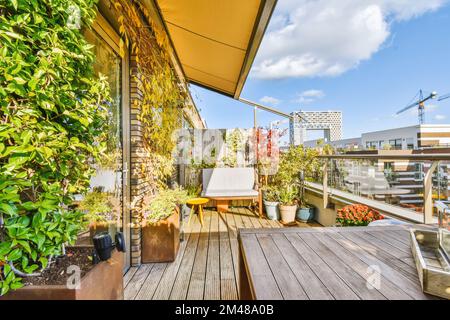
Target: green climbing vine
[(164, 95), (52, 114)]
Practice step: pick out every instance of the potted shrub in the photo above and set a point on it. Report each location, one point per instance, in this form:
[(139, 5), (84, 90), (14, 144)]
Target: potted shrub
[(271, 201), (288, 205), (357, 215), (305, 212), (161, 225), (100, 213)]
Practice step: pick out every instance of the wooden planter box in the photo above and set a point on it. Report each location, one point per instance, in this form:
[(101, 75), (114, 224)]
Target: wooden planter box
[(161, 241), (103, 282)]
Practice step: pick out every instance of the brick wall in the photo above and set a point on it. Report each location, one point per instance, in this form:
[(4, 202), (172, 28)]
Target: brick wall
[(138, 185)]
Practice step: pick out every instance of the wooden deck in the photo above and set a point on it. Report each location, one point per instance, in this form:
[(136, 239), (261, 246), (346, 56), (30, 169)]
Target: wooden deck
[(355, 263), (207, 263)]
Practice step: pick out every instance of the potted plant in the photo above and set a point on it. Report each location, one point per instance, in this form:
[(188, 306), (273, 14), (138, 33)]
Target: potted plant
[(357, 215), (288, 205), (161, 225), (99, 212), (305, 213), (271, 201)]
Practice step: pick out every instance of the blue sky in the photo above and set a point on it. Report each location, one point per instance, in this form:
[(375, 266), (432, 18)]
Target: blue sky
[(365, 58)]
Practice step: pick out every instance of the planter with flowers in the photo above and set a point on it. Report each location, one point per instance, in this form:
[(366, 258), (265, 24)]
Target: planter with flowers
[(161, 225), (357, 215)]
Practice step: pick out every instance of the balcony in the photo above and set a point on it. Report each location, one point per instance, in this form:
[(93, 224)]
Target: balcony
[(209, 264)]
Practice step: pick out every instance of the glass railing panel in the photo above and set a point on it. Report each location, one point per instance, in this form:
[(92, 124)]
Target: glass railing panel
[(398, 182)]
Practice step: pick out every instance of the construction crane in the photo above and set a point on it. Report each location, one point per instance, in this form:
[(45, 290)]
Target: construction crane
[(420, 104), (445, 96)]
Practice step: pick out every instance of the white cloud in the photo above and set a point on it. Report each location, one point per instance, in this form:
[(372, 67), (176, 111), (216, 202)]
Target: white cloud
[(328, 37), (270, 100), (309, 96), (440, 117)]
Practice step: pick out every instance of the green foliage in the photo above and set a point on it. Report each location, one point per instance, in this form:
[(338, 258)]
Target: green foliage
[(163, 94), (163, 204), (294, 161), (288, 195), (52, 111), (193, 190), (271, 193), (98, 206)]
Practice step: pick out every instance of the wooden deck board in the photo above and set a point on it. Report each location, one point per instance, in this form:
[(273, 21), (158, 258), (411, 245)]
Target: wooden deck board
[(389, 289), (334, 284), (135, 284), (374, 258), (181, 284), (349, 263), (129, 275), (207, 265), (228, 288), (149, 286), (289, 286), (197, 284), (212, 284), (234, 245)]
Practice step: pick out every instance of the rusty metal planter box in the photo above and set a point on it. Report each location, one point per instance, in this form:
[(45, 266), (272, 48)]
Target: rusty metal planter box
[(103, 282), (161, 241), (432, 266)]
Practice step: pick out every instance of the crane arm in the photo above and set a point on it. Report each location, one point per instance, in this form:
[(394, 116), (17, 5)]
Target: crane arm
[(444, 97), (408, 107), (419, 103)]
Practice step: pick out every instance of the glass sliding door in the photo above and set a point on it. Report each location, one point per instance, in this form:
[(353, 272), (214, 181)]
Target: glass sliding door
[(109, 186)]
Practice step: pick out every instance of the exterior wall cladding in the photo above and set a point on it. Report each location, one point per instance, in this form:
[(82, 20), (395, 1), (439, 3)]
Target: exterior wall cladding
[(329, 121)]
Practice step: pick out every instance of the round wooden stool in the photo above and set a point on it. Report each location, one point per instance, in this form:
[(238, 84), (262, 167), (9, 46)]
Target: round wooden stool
[(199, 202)]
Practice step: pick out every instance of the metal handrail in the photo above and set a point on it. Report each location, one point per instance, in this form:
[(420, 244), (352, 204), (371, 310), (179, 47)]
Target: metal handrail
[(422, 157)]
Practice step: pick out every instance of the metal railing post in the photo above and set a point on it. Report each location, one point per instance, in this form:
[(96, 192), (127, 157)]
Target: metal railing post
[(428, 193), (325, 184)]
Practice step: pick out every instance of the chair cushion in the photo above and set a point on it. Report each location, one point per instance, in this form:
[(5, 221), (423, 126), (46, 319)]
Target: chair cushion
[(229, 193), (228, 179)]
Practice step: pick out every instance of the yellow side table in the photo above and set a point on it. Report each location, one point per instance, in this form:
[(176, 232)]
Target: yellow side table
[(199, 202)]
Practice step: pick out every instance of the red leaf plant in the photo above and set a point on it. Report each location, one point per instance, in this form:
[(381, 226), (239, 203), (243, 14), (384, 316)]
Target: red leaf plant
[(357, 215)]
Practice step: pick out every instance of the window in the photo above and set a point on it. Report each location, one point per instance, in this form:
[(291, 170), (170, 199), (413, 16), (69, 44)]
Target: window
[(409, 143), (396, 144), (372, 145)]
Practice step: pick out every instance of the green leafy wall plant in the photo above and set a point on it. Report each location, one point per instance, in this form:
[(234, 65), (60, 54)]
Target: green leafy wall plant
[(52, 112)]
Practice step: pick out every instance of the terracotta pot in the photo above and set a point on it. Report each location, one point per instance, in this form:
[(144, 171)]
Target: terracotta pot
[(288, 213), (103, 282), (161, 241)]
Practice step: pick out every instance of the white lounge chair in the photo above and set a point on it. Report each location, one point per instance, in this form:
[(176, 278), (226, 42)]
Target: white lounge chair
[(225, 184)]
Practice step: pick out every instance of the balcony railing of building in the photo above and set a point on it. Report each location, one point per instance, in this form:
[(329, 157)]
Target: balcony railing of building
[(404, 187)]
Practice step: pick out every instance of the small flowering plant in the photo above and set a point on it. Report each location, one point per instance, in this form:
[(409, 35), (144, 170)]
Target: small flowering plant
[(357, 215)]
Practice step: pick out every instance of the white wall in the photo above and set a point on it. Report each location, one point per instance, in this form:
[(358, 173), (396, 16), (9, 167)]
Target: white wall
[(386, 135)]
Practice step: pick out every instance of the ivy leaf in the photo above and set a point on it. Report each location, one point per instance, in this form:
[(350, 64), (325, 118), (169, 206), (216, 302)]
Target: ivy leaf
[(8, 209), (16, 254)]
